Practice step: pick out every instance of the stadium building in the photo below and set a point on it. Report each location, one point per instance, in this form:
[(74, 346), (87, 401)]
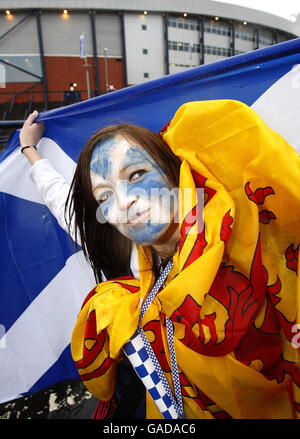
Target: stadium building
[(123, 42)]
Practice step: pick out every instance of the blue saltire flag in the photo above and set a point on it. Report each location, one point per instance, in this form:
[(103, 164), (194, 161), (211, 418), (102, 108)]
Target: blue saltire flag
[(43, 280)]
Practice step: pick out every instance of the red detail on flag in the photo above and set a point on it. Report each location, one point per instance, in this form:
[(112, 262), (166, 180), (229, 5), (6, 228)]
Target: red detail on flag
[(240, 296), (131, 288), (258, 197), (99, 371), (273, 290), (291, 256), (191, 218), (225, 227), (200, 183), (188, 314), (164, 128), (265, 216), (200, 398), (90, 354), (157, 344), (197, 250)]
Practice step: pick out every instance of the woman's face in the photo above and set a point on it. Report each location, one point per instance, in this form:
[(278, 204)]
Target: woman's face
[(133, 193)]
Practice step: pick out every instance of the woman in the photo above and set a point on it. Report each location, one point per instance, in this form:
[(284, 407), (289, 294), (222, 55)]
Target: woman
[(230, 292), (51, 185), (118, 175)]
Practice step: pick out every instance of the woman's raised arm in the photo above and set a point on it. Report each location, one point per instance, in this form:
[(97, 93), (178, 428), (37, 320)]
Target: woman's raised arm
[(30, 135), (51, 185)]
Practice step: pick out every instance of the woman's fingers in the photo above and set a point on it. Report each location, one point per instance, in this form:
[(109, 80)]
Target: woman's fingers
[(31, 132), (31, 118)]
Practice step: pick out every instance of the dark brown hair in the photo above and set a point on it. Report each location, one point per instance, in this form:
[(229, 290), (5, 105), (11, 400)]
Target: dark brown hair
[(104, 246)]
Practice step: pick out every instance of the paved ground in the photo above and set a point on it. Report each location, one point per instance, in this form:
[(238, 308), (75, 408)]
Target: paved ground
[(68, 400)]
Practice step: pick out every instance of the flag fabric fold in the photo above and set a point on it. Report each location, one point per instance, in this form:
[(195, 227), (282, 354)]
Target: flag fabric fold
[(44, 278)]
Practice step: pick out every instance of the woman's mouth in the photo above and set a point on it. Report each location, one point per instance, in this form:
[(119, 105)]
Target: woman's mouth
[(139, 217)]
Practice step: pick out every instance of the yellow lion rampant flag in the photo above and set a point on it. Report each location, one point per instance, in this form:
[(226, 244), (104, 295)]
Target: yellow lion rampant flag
[(233, 291)]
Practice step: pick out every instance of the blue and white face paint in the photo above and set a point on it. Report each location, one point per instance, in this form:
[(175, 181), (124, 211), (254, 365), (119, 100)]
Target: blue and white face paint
[(133, 193)]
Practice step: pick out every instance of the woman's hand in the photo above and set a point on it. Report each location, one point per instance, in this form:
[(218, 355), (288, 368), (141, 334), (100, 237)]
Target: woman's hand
[(30, 134)]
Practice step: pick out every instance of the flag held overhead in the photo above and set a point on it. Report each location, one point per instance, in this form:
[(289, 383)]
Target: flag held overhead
[(44, 278)]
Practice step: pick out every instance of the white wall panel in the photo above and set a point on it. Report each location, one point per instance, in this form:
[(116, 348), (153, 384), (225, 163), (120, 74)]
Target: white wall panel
[(24, 39), (184, 35), (151, 39), (212, 58), (108, 34), (217, 40), (61, 35), (186, 58), (244, 46)]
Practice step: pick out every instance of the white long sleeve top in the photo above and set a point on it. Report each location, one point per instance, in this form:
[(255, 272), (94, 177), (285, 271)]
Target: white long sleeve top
[(53, 190)]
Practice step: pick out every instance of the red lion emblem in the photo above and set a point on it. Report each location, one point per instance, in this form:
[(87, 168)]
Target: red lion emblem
[(241, 298), (291, 256), (258, 197)]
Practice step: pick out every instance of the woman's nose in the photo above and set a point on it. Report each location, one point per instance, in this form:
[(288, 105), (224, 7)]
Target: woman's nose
[(124, 198)]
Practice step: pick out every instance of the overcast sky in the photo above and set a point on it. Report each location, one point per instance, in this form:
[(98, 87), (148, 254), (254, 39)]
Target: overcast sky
[(284, 8)]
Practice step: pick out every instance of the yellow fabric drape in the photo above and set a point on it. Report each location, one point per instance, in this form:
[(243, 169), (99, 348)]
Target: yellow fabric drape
[(233, 291)]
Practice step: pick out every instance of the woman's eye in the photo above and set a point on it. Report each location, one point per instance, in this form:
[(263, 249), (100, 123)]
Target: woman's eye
[(105, 196), (136, 175)]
